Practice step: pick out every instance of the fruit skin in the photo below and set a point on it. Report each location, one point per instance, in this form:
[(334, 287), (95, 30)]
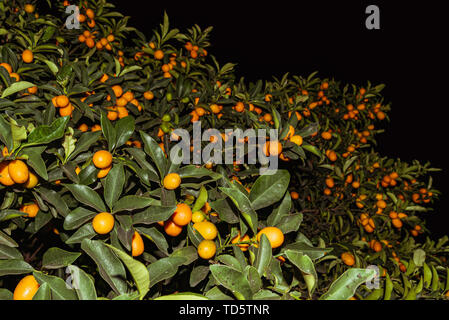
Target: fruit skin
[(27, 56), (198, 216), (206, 229), (137, 245), (104, 172), (26, 288), (32, 181), (102, 159), (31, 209), (103, 223), (18, 171), (348, 258), (182, 215), (172, 181), (171, 228), (207, 249), (244, 247), (5, 178), (274, 235)]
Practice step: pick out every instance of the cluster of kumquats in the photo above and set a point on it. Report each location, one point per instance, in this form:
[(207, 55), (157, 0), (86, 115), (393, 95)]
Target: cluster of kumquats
[(86, 130)]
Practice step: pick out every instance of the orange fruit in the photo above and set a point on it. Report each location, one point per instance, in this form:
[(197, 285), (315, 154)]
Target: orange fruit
[(294, 195), (103, 223), (397, 223), (172, 181), (237, 239), (7, 66), (102, 159), (118, 91), (274, 235), (104, 172), (171, 228), (239, 107), (159, 54), (83, 127), (32, 90), (32, 181), (137, 246), (148, 95), (18, 171), (15, 76), (297, 140), (348, 258), (207, 249), (26, 288), (198, 216), (182, 215), (30, 209), (27, 56), (90, 13), (207, 229), (5, 178)]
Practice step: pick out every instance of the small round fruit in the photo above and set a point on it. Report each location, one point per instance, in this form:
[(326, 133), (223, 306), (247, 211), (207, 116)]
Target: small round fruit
[(137, 245), (171, 228), (198, 216), (206, 229), (238, 239), (26, 288), (27, 56), (5, 178), (103, 223), (182, 215), (30, 209), (104, 172), (102, 159), (32, 181), (274, 235), (348, 258), (18, 171), (172, 181), (207, 249)]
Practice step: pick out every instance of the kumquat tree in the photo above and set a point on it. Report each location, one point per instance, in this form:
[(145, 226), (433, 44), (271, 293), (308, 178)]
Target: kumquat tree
[(94, 112)]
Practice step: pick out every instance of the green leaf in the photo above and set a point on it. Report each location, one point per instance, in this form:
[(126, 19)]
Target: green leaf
[(313, 252), (242, 203), (69, 143), (16, 87), (7, 252), (55, 200), (132, 202), (11, 214), (5, 294), (6, 134), (153, 214), (137, 269), (155, 236), (197, 275), (84, 143), (124, 129), (185, 296), (264, 255), (45, 134), (109, 131), (82, 283), (43, 293), (164, 268), (58, 286), (225, 211), (156, 154), (282, 210), (77, 218), (201, 200), (345, 286), (113, 184), (35, 160), (86, 195), (191, 171), (14, 266), (419, 257), (232, 280), (305, 264), (269, 189), (55, 258), (85, 232), (110, 267)]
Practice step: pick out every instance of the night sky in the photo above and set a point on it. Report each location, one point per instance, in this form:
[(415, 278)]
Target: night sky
[(407, 54)]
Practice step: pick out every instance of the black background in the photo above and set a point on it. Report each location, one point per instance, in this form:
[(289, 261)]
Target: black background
[(408, 54)]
